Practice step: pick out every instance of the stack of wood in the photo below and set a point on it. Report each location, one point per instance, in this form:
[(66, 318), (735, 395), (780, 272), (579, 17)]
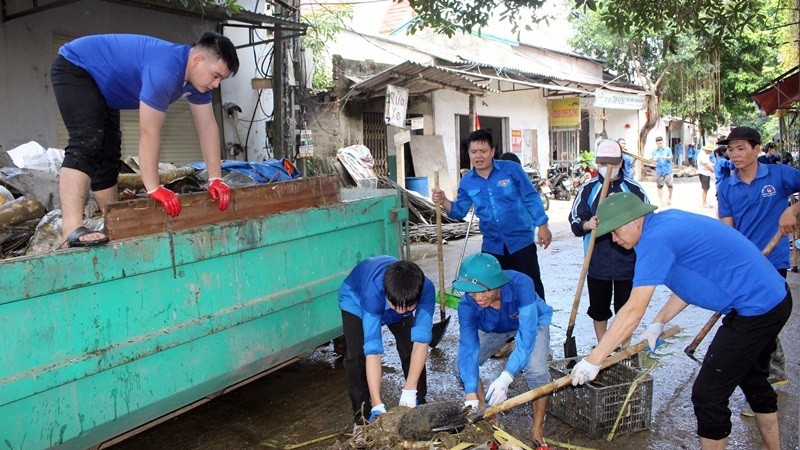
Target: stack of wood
[(422, 217), (450, 231), (420, 209)]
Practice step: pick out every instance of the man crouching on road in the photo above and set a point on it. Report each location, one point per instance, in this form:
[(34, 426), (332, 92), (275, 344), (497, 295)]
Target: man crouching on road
[(384, 291), (726, 274), (497, 305)]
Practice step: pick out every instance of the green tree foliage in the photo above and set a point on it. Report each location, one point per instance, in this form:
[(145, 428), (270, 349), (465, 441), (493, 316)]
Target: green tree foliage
[(230, 6), (693, 64), (324, 25)]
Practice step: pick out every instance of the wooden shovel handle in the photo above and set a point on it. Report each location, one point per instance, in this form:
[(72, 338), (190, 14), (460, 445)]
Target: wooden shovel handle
[(690, 349), (567, 379), (585, 268), (439, 249)]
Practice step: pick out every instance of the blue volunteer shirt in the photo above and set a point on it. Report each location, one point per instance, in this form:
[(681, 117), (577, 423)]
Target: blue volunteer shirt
[(757, 207), (663, 158), (362, 295), (520, 309), (717, 269), (128, 68), (506, 203)]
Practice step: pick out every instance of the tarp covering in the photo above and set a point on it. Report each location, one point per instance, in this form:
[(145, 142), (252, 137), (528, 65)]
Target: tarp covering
[(781, 93)]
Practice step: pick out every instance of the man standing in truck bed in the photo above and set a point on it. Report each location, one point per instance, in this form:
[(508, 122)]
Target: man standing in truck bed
[(94, 77)]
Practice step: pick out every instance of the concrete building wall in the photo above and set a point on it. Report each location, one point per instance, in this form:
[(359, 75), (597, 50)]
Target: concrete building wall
[(27, 49), (622, 123), (524, 110)]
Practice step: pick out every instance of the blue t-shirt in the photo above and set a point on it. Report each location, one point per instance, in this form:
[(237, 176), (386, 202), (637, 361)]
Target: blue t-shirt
[(520, 309), (128, 68), (506, 203), (716, 269), (627, 166), (757, 207), (663, 158), (362, 295)]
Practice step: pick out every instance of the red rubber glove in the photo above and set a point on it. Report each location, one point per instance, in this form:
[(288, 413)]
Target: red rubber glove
[(220, 192), (168, 199)]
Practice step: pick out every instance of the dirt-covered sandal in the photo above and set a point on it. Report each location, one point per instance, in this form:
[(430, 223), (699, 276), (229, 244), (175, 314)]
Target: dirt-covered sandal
[(74, 238)]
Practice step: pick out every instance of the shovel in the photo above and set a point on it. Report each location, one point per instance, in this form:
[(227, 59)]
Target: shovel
[(691, 348), (440, 327), (570, 349)]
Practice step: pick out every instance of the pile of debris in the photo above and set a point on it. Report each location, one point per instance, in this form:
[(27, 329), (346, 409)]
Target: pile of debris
[(406, 428), (30, 214)]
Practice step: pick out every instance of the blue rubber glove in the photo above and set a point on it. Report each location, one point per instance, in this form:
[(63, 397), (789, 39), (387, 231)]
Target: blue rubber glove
[(376, 411)]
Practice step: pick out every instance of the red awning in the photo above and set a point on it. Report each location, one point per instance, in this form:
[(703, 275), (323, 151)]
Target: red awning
[(781, 93)]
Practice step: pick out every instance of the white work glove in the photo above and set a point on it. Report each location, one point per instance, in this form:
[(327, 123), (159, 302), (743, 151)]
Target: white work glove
[(498, 390), (408, 398), (652, 334), (376, 411), (584, 372), (471, 404)]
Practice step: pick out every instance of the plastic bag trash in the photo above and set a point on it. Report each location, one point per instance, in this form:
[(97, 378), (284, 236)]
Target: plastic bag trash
[(47, 236), (34, 157)]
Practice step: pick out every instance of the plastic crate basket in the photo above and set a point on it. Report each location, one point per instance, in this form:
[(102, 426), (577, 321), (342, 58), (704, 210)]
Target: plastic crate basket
[(593, 407)]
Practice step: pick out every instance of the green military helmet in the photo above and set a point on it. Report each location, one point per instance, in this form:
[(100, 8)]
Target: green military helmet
[(480, 272)]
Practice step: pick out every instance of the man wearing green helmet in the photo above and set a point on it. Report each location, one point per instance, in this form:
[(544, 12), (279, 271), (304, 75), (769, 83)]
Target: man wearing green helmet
[(499, 304), (726, 274)]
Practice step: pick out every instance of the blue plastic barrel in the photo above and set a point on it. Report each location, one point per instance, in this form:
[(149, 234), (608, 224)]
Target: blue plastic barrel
[(418, 184)]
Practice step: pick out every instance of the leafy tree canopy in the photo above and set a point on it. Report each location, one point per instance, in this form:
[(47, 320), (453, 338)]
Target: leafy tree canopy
[(714, 21)]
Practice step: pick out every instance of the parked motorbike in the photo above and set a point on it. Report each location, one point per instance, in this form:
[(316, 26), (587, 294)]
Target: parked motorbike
[(540, 184), (560, 180)]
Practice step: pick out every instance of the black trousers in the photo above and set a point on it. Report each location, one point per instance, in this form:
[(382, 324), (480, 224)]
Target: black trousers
[(355, 362), (739, 355), (524, 260), (95, 138)]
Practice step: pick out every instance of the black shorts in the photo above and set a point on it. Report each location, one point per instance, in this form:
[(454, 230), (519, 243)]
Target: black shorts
[(705, 181), (600, 294), (95, 138)]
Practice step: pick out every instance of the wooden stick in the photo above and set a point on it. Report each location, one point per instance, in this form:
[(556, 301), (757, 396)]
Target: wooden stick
[(439, 250), (584, 270), (566, 380)]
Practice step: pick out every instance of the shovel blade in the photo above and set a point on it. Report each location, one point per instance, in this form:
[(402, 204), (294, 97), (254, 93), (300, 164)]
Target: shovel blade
[(570, 350), (438, 331)]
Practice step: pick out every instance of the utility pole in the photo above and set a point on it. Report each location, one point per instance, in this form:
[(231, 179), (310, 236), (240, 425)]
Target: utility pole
[(278, 99)]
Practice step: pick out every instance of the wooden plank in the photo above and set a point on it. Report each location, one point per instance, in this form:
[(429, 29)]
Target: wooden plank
[(142, 217)]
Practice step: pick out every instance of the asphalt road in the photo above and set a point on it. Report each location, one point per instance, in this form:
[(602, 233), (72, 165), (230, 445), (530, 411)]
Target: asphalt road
[(308, 400)]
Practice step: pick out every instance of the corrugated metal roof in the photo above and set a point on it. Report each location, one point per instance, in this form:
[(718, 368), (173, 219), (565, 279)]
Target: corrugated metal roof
[(418, 79)]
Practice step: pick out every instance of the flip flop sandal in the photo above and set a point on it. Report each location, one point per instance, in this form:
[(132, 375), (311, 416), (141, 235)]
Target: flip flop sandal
[(74, 238)]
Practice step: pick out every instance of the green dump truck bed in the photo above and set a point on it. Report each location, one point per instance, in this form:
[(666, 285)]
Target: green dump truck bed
[(99, 341)]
